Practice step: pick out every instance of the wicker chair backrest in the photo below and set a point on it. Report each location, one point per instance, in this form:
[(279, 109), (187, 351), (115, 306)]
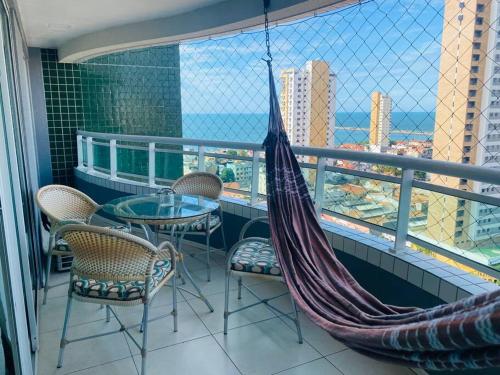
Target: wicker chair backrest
[(60, 202), (199, 183), (107, 254)]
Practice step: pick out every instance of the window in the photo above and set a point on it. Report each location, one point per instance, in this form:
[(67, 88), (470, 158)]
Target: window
[(478, 33), (476, 45), (472, 93), (479, 20), (474, 69), (473, 81), (480, 8), (475, 57)]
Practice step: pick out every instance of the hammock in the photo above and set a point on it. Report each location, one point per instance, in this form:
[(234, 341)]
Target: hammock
[(464, 334)]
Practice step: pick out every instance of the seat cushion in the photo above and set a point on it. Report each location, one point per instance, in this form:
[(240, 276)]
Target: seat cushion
[(62, 246), (122, 290), (256, 257), (196, 226)]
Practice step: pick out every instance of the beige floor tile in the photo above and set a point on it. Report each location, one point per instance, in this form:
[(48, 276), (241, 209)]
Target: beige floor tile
[(352, 363), (121, 367), (321, 340), (201, 356), (265, 348), (83, 354), (215, 321), (161, 332), (317, 367)]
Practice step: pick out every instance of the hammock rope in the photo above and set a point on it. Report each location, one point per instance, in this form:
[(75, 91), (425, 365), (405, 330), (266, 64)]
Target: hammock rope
[(463, 334)]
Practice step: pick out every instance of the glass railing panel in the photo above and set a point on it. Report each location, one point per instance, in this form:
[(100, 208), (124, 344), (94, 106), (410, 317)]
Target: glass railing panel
[(169, 162), (132, 161), (101, 155), (84, 152), (364, 199), (229, 166), (310, 177), (465, 227)]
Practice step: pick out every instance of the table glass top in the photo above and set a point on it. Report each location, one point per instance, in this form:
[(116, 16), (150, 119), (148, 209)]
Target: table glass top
[(160, 206)]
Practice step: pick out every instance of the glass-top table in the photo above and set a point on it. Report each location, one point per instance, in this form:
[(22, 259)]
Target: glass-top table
[(160, 209)]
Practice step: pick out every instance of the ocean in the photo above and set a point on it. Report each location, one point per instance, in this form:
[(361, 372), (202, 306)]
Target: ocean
[(252, 127)]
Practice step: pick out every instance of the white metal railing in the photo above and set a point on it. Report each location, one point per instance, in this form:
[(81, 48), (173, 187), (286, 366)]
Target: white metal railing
[(406, 181)]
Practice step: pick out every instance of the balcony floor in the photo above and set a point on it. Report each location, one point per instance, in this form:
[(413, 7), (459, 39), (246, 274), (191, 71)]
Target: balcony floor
[(258, 342)]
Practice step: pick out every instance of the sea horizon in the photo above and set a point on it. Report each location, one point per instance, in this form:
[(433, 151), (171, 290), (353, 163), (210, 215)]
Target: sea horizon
[(350, 127)]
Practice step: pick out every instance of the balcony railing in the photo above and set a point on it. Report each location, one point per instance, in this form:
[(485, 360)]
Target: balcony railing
[(348, 185)]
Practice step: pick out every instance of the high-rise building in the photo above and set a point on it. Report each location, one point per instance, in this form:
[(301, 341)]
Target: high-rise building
[(308, 104), (467, 125), (380, 121)]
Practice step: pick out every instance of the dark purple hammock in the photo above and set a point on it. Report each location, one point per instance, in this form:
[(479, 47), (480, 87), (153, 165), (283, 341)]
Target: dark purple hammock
[(459, 335)]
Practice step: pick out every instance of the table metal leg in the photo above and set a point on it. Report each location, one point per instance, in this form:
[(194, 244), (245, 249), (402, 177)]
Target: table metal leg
[(185, 271)]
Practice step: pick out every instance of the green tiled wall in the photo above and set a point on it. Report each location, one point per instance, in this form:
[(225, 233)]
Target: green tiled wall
[(132, 92)]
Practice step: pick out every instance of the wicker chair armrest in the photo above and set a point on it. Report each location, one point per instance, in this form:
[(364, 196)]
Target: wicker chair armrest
[(245, 228), (167, 251), (56, 227)]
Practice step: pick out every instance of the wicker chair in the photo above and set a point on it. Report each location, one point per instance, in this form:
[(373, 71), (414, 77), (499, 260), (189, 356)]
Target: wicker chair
[(62, 205), (210, 186), (114, 268), (255, 257)]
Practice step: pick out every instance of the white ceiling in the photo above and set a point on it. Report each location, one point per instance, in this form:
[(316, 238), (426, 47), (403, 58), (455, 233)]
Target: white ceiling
[(51, 23)]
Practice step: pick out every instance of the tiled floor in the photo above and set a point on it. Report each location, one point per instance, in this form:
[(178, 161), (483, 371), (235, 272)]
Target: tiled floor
[(258, 342)]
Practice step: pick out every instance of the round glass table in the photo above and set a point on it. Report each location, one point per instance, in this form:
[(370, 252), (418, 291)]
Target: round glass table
[(160, 209), (156, 210)]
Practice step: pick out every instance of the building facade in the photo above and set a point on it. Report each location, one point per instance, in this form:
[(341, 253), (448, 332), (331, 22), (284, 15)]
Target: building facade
[(308, 104), (467, 127), (380, 121)]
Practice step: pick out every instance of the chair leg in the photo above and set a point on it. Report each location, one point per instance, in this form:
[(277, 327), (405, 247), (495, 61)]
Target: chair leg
[(226, 302), (224, 243), (48, 266), (64, 331), (144, 349), (296, 320), (208, 256), (174, 302), (108, 314), (240, 282)]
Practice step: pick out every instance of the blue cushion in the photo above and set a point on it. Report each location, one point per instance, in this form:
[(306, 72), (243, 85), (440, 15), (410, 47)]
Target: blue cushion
[(256, 257), (122, 290)]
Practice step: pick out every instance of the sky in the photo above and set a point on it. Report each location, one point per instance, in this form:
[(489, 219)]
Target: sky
[(388, 45)]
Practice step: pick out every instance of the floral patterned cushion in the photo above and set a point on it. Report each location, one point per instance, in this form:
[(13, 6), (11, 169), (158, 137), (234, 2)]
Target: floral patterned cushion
[(122, 290), (62, 245), (256, 257), (196, 226)]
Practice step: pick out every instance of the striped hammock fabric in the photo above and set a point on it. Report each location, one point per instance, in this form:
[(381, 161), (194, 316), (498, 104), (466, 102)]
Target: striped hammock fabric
[(464, 334)]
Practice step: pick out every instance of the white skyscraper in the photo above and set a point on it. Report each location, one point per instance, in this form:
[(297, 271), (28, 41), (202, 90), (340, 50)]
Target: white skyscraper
[(308, 104)]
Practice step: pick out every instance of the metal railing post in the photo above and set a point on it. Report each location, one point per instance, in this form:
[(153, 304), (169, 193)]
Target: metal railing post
[(255, 178), (90, 154), (113, 167), (403, 209), (201, 158), (320, 185), (79, 150), (152, 164)]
